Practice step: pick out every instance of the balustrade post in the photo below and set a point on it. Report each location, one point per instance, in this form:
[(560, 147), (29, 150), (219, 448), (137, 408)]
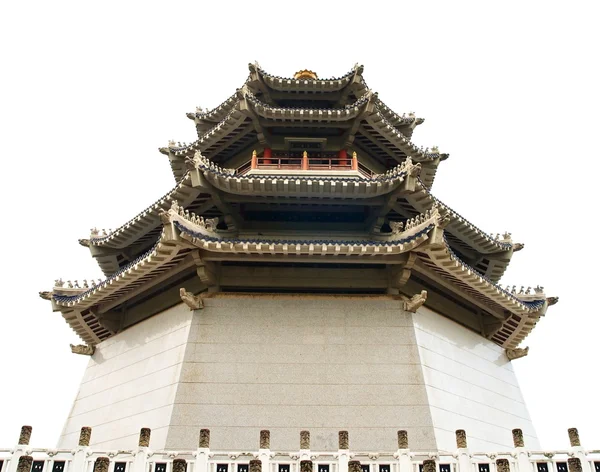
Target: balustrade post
[(304, 161), (523, 462), (306, 466), (203, 451), (254, 161), (179, 465), (502, 465), (101, 464), (264, 451), (354, 161), (22, 449), (304, 445), (82, 451), (462, 452), (577, 451), (429, 465), (143, 452), (24, 464), (343, 455), (574, 464), (255, 466), (403, 453)]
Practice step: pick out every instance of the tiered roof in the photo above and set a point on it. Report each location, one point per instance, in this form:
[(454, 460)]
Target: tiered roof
[(231, 206)]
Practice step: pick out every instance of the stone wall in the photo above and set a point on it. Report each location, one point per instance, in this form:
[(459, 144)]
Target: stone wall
[(471, 385), (288, 363), (130, 382)]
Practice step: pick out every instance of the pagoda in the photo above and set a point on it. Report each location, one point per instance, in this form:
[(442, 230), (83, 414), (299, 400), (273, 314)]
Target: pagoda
[(300, 275)]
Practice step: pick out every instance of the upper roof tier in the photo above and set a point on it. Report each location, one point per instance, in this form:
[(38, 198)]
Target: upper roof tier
[(271, 112), (212, 191)]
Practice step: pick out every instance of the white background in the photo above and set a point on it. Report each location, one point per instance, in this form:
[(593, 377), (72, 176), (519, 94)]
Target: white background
[(90, 90)]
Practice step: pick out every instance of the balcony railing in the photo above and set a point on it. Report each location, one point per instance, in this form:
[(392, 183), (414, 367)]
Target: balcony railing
[(142, 458), (316, 161)]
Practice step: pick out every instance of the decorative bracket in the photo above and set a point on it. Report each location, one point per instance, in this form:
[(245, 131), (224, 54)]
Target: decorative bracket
[(412, 304), (193, 301), (517, 353), (82, 349)]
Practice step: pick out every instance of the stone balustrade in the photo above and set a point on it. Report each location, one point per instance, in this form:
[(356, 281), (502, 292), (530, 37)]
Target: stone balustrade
[(23, 458)]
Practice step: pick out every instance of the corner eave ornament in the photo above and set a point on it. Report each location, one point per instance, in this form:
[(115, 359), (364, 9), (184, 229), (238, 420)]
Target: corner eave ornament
[(192, 301), (413, 303), (517, 353), (82, 349)]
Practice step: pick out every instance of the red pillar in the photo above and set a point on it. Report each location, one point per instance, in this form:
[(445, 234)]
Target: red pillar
[(343, 157), (267, 156)]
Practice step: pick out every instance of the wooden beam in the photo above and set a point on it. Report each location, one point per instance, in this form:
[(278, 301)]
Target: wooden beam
[(281, 258)]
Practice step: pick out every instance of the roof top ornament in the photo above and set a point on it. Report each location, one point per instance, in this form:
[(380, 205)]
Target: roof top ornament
[(305, 74)]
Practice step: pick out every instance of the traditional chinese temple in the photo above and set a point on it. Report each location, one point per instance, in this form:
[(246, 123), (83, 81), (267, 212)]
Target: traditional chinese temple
[(301, 275)]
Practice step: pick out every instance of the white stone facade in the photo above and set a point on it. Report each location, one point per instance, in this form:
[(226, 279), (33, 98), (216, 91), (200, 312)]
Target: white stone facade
[(471, 385), (131, 382), (293, 362)]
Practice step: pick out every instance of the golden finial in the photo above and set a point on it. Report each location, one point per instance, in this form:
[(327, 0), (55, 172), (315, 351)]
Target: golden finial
[(305, 74), (354, 155), (305, 154), (254, 153)]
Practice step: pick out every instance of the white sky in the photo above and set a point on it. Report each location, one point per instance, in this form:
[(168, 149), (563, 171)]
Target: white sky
[(90, 90)]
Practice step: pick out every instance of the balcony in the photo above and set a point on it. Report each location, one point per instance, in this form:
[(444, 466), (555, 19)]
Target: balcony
[(329, 163)]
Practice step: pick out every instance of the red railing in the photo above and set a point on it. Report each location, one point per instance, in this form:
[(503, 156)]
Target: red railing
[(320, 161), (309, 163)]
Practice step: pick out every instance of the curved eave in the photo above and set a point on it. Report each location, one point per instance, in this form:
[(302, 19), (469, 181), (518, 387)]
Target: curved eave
[(304, 85), (401, 146), (522, 314), (147, 219), (347, 113), (207, 119), (302, 185), (78, 309), (229, 123), (405, 124), (483, 243)]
